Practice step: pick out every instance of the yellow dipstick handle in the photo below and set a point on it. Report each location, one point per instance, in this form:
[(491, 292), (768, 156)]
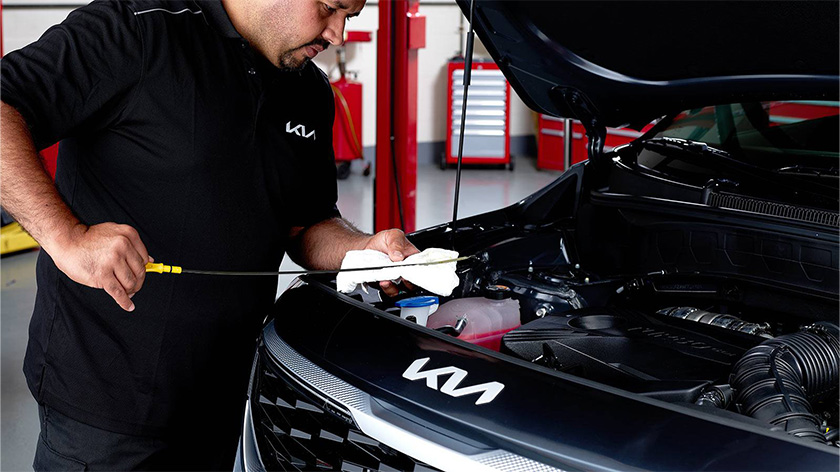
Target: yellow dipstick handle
[(162, 268)]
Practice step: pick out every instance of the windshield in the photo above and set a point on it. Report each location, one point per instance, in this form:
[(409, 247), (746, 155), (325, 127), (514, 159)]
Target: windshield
[(784, 151), (772, 135)]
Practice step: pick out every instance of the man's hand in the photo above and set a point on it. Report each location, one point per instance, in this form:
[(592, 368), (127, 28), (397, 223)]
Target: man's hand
[(394, 243), (109, 256), (323, 246)]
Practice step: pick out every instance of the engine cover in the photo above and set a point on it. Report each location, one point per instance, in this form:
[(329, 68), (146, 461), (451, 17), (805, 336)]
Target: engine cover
[(666, 358)]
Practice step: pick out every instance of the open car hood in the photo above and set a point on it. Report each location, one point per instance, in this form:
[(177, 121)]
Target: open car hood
[(627, 63)]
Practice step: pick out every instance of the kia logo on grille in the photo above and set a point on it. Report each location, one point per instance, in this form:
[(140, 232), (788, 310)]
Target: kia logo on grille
[(488, 390)]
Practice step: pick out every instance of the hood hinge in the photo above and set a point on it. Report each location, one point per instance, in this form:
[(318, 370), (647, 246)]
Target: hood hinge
[(584, 111)]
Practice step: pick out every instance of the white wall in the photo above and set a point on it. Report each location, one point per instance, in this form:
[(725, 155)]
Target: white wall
[(24, 25), (442, 43)]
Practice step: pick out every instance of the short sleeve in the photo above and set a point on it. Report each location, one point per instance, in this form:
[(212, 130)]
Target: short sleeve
[(79, 76)]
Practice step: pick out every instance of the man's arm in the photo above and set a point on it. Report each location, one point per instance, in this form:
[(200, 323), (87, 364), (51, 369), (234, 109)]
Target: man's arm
[(323, 245), (107, 256)]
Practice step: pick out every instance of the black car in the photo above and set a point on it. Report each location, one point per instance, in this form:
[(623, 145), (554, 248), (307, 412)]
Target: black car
[(677, 296)]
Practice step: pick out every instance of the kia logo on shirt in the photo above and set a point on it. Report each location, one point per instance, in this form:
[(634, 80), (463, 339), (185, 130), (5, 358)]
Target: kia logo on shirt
[(299, 130)]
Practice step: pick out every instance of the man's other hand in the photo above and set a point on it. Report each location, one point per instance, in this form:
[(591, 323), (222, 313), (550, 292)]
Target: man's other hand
[(109, 256), (394, 243)]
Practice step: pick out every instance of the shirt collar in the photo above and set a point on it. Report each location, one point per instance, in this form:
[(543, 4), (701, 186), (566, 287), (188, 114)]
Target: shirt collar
[(216, 16)]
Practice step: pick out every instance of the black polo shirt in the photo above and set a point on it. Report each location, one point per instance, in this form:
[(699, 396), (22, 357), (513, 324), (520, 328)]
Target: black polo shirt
[(169, 122)]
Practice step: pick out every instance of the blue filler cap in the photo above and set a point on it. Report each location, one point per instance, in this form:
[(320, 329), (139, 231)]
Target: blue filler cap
[(415, 302)]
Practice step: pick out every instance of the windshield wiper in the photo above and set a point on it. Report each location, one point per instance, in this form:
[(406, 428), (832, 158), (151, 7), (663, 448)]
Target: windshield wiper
[(701, 149), (695, 147), (796, 177), (831, 172)]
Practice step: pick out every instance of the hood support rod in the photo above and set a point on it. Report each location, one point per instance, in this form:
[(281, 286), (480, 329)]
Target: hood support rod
[(467, 72)]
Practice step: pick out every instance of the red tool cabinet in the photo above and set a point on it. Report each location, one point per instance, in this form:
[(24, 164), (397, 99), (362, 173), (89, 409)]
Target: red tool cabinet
[(487, 127)]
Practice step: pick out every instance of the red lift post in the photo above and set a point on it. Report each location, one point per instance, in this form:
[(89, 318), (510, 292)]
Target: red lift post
[(402, 32)]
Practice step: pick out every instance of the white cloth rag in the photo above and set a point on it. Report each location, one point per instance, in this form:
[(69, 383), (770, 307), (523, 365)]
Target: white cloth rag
[(439, 279)]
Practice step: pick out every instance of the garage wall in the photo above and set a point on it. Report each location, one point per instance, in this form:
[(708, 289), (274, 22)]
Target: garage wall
[(21, 25), (25, 20)]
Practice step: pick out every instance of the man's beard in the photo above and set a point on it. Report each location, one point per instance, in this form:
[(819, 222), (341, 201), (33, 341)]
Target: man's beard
[(288, 61)]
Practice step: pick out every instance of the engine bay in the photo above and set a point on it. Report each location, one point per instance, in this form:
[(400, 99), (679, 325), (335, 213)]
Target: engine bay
[(686, 339)]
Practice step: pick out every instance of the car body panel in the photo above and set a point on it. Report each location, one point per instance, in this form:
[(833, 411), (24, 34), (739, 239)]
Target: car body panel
[(553, 418), (631, 62)]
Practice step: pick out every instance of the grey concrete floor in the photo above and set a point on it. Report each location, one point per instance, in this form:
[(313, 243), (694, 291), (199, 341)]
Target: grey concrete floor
[(482, 190), (18, 411)]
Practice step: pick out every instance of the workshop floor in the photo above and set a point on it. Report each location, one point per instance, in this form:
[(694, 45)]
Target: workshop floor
[(481, 190)]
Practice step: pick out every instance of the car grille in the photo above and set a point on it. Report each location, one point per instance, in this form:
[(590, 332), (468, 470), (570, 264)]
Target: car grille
[(297, 431)]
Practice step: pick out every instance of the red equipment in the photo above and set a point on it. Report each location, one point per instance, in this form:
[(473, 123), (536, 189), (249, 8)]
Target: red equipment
[(487, 130), (402, 32), (347, 129), (553, 152), (50, 158), (786, 112), (551, 145)]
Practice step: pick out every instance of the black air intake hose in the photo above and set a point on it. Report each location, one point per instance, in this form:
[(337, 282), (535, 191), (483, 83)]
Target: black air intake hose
[(777, 380)]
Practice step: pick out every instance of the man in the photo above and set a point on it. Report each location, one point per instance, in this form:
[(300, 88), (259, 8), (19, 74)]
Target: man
[(192, 132)]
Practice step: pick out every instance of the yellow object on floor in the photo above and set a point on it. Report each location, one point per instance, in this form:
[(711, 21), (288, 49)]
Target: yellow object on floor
[(13, 239)]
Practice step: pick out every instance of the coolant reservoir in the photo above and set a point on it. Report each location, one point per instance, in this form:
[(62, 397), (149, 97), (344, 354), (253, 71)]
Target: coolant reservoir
[(488, 317)]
